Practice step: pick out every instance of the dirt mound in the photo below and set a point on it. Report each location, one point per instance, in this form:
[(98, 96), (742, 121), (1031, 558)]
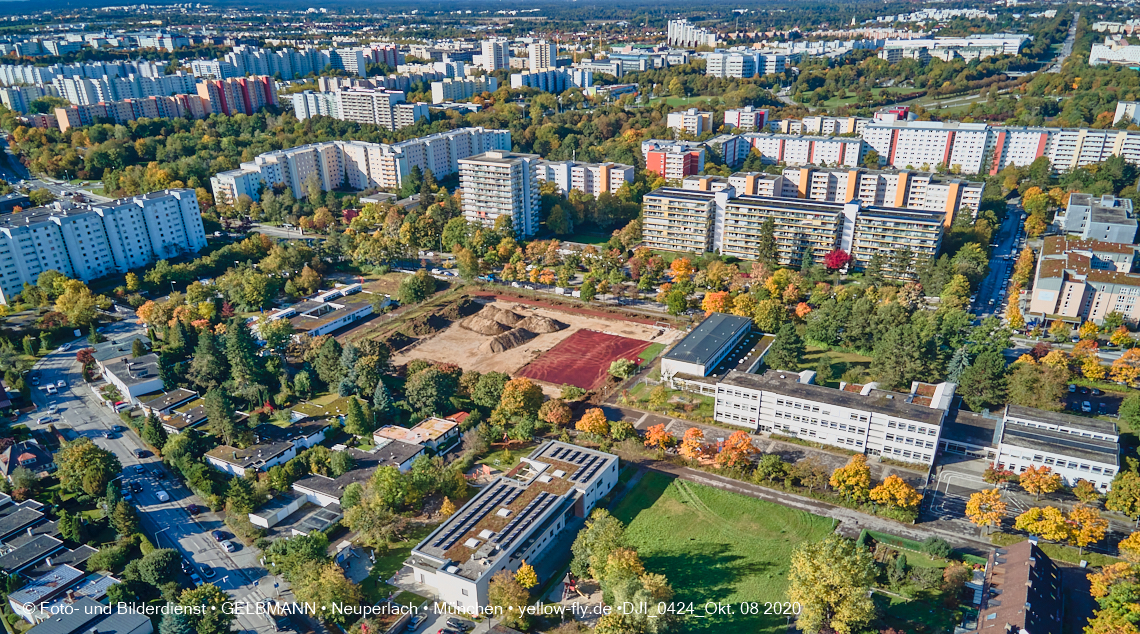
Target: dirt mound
[(501, 315), (507, 340), (399, 340), (482, 325), (540, 324), (465, 307), (426, 325)]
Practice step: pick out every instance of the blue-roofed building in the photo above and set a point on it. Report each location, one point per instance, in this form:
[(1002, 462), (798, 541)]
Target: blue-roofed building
[(711, 342)]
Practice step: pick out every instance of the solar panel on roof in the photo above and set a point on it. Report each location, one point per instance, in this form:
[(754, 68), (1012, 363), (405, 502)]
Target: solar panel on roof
[(583, 457), (523, 524), (582, 469), (472, 517)]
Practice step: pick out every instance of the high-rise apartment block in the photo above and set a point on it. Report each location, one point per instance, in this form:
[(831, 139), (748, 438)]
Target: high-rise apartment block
[(542, 55), (682, 33), (239, 95), (691, 121), (455, 89), (588, 178), (176, 106), (499, 184), (673, 160), (358, 164), (553, 79), (747, 119), (86, 242), (495, 54), (385, 108), (887, 188), (743, 64)]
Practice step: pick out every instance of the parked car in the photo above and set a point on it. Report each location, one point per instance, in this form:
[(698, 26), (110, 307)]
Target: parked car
[(229, 546), (43, 420), (53, 410), (65, 347), (35, 380), (61, 383), (1096, 391), (51, 389), (460, 625), (195, 578), (218, 535), (136, 487), (1086, 407), (140, 469), (141, 453), (186, 567), (1072, 388), (193, 509), (207, 572), (1102, 409), (416, 621)]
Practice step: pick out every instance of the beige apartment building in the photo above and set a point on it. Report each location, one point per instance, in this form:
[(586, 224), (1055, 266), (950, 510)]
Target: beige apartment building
[(889, 188), (1078, 280)]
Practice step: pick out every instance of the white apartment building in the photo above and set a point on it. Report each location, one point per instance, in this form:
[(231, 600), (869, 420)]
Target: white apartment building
[(888, 188), (359, 164), (1127, 111), (588, 178), (792, 149), (501, 183), (385, 108), (542, 55), (746, 119), (87, 242), (947, 48), (870, 420), (495, 54), (831, 125), (925, 145), (682, 33), (460, 89), (743, 64), (691, 121), (554, 80), (516, 518)]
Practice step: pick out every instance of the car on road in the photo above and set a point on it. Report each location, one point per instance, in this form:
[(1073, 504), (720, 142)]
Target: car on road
[(1072, 388), (126, 494), (193, 509), (53, 410), (65, 347), (61, 383), (51, 389), (219, 536), (140, 469), (1096, 391), (1084, 390), (416, 621), (118, 428), (229, 546), (207, 572), (35, 380), (186, 567), (141, 453), (1086, 407), (460, 625), (446, 630), (43, 420), (158, 473), (163, 496)]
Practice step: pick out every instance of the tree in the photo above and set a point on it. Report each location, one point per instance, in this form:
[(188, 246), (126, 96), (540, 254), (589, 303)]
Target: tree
[(83, 466), (341, 463), (175, 623), (853, 480), (958, 364), (124, 519), (1124, 496), (489, 390), (429, 391), (622, 369), (983, 384), (895, 492), (1130, 547), (811, 473), (221, 419), (520, 398), (594, 422), (716, 302), (985, 508), (1037, 385), (207, 611), (737, 451), (159, 566), (786, 350), (1046, 522), (508, 595), (1013, 316), (526, 576), (78, 303), (692, 444), (355, 422), (836, 259), (326, 586), (1087, 525), (416, 288), (766, 248), (601, 535), (208, 368), (1126, 368), (1038, 480), (937, 547), (555, 413), (447, 508), (1086, 491), (657, 436), (153, 432), (830, 580)]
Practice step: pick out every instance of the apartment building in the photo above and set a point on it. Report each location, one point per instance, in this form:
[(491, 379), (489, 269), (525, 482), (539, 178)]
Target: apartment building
[(889, 188), (884, 231), (19, 98), (553, 80), (1078, 280), (791, 149), (684, 34), (515, 518), (385, 108), (1115, 50), (176, 106), (760, 184), (681, 220), (87, 242), (801, 227), (501, 183), (691, 121), (244, 95), (829, 126), (926, 145), (1074, 447), (495, 54), (861, 418), (673, 161), (743, 64), (1128, 111), (588, 178), (947, 48), (746, 119), (1106, 219), (455, 89), (542, 55)]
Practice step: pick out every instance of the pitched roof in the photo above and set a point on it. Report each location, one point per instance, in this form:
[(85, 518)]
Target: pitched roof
[(1023, 591)]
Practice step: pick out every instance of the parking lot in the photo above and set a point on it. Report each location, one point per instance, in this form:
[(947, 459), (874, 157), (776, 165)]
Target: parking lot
[(1099, 403)]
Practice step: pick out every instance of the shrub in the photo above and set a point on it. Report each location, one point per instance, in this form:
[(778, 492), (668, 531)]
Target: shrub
[(1001, 539), (937, 547)]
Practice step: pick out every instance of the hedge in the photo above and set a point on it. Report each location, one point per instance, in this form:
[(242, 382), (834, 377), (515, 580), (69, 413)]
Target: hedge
[(910, 544)]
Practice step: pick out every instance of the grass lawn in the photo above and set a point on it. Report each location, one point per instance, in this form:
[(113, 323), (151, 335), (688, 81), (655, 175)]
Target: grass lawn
[(681, 404), (388, 563), (506, 459), (717, 546), (836, 102), (915, 615), (651, 352), (685, 101), (587, 238), (840, 361)]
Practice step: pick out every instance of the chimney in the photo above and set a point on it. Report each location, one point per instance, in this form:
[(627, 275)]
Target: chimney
[(31, 531), (71, 596), (48, 560)]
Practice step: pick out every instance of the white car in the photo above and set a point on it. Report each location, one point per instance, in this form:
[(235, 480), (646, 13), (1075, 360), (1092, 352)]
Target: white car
[(53, 410), (229, 546), (65, 347), (43, 420), (51, 389), (163, 496), (61, 383)]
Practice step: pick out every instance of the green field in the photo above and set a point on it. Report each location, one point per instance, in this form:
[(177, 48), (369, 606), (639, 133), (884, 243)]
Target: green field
[(586, 238), (651, 352), (716, 546)]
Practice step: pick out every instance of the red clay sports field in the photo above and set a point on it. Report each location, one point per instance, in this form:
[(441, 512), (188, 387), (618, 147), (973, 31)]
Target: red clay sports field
[(583, 359)]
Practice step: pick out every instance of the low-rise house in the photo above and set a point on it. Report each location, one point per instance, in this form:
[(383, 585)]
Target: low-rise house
[(87, 616), (134, 377), (27, 454), (433, 433), (163, 403), (325, 491), (186, 416), (36, 601), (1022, 592), (257, 457)]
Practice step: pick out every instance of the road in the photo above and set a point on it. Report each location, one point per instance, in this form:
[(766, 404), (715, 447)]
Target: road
[(168, 524), (1067, 47), (282, 232), (989, 298), (61, 188)]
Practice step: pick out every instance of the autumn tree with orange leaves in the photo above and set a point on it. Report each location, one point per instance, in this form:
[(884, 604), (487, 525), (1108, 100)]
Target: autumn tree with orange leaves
[(1126, 369), (737, 451), (692, 444), (719, 302), (594, 422), (1039, 480), (657, 436), (986, 508)]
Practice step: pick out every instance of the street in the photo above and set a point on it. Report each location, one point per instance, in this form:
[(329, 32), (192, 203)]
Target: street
[(1003, 256), (167, 524), (1067, 47)]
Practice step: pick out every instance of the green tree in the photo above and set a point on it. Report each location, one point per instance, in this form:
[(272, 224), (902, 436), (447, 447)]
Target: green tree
[(904, 354), (241, 352), (341, 463), (175, 623), (416, 288), (328, 366), (602, 534), (221, 418), (958, 364), (355, 422), (153, 432), (382, 405), (83, 466), (159, 566), (429, 391), (786, 350), (124, 519), (240, 496), (766, 251), (138, 348), (830, 580), (489, 390), (208, 614), (983, 384), (589, 289), (505, 592)]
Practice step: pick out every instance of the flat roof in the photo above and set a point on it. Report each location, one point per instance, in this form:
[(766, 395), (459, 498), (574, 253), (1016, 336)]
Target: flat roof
[(249, 456), (708, 338), (30, 552), (88, 615), (20, 517), (164, 400), (45, 586), (1061, 418), (119, 347), (787, 383), (304, 322), (969, 427), (134, 371), (1103, 451), (427, 430)]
